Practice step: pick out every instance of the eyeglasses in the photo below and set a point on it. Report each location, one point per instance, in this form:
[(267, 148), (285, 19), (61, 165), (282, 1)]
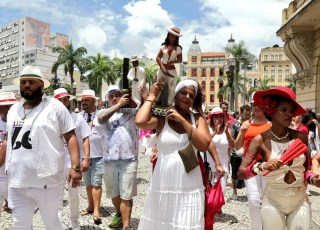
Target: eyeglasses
[(89, 117)]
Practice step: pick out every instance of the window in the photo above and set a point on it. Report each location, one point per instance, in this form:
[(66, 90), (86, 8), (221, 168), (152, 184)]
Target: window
[(276, 57), (194, 59), (211, 85), (265, 57), (32, 61), (203, 86), (272, 57), (203, 72), (273, 78), (211, 98), (280, 57), (27, 62), (279, 78), (211, 72), (22, 43), (27, 55), (193, 72), (32, 54)]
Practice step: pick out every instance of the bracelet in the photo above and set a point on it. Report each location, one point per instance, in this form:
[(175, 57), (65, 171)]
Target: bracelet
[(190, 135), (149, 101), (262, 166), (307, 176), (310, 180)]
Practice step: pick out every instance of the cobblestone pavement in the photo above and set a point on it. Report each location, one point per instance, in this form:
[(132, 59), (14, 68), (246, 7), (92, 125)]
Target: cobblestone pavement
[(235, 213)]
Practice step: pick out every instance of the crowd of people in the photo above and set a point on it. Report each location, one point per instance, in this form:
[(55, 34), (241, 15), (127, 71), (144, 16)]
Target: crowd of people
[(45, 145)]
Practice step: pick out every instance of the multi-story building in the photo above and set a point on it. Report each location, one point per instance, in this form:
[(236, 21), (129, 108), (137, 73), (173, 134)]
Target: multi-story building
[(275, 66), (209, 70), (300, 30), (21, 43)]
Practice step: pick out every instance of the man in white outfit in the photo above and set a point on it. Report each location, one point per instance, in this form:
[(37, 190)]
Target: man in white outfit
[(35, 159), (137, 76), (7, 99), (83, 132)]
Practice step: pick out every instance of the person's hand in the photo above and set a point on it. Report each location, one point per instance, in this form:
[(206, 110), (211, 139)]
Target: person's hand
[(156, 87), (315, 121), (74, 178), (244, 127), (153, 157), (124, 100), (220, 170), (143, 92), (316, 180), (85, 164), (273, 164), (173, 115)]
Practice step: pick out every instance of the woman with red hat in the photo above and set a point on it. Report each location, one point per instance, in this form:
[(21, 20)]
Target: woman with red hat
[(285, 204)]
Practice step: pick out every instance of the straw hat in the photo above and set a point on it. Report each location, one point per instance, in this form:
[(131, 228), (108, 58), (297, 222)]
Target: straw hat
[(175, 31), (7, 98), (89, 93), (32, 72), (62, 92), (134, 58)]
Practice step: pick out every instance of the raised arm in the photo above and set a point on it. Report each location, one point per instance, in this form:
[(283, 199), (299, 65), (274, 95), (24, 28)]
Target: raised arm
[(238, 143), (105, 114)]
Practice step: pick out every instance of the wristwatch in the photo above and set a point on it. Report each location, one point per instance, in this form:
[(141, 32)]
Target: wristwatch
[(76, 168)]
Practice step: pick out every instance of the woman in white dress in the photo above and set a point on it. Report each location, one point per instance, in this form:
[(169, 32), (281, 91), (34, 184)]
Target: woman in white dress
[(176, 199)]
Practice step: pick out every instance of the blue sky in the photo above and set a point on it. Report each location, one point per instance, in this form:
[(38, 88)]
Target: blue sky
[(139, 26)]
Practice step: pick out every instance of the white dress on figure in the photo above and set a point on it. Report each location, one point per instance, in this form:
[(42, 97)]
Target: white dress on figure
[(176, 199)]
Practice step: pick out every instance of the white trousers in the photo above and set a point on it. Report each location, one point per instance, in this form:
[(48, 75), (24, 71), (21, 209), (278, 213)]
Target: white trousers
[(73, 202), (23, 201), (170, 81), (3, 193), (255, 187), (286, 208)]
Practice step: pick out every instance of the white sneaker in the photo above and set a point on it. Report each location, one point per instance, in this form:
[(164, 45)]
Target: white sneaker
[(75, 225), (234, 196)]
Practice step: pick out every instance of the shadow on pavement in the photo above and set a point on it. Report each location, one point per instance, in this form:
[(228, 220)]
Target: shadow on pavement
[(224, 218)]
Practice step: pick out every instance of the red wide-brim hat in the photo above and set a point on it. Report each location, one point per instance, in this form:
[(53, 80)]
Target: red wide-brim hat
[(260, 96)]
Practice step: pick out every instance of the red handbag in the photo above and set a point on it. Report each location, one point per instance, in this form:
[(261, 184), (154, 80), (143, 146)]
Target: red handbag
[(214, 199)]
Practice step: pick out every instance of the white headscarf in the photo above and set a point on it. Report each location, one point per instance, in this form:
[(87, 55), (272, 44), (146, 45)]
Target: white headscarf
[(185, 83)]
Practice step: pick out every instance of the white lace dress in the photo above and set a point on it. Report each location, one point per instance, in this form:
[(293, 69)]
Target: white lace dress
[(176, 199)]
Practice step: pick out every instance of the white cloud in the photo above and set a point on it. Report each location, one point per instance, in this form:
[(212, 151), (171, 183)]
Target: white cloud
[(92, 37)]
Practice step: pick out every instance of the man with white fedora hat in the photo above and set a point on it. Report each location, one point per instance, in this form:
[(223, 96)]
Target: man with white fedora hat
[(137, 76), (83, 132), (7, 99), (92, 178), (35, 162), (121, 147)]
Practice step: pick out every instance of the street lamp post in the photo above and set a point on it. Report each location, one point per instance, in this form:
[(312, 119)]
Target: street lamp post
[(74, 92), (231, 62)]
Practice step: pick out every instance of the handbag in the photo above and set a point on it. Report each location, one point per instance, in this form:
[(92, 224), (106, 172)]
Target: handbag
[(188, 157), (214, 198)]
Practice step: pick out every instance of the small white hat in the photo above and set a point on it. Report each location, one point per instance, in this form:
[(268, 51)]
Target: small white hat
[(215, 111), (62, 92), (89, 93), (7, 98), (175, 31), (134, 58), (113, 88), (251, 99), (31, 72)]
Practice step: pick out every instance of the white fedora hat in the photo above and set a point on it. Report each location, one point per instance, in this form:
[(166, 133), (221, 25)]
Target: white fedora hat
[(32, 72), (113, 88), (62, 92), (134, 58), (175, 31), (89, 93), (7, 98)]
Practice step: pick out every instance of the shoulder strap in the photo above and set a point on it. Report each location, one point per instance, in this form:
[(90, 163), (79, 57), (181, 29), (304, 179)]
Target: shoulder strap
[(193, 120)]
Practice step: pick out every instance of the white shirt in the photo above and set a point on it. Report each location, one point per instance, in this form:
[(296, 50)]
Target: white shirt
[(169, 56), (3, 134), (82, 131), (45, 161), (221, 143), (121, 140), (141, 76), (96, 137)]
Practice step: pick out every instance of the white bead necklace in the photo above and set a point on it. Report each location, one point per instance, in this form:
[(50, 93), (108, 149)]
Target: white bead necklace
[(279, 138)]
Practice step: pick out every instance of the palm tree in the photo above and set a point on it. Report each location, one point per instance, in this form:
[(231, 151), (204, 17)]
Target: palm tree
[(100, 70), (241, 55), (292, 83), (70, 58), (261, 85), (150, 74)]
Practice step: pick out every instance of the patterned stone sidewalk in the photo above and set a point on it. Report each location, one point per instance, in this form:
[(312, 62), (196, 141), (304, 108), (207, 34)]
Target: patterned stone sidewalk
[(235, 213)]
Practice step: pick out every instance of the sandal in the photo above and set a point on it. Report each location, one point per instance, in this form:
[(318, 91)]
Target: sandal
[(97, 220), (86, 212)]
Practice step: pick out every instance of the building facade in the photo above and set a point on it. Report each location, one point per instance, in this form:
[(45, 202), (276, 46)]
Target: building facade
[(21, 43), (300, 31), (275, 66)]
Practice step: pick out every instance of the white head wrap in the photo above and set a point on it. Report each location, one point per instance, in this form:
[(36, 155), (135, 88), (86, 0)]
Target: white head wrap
[(185, 83)]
